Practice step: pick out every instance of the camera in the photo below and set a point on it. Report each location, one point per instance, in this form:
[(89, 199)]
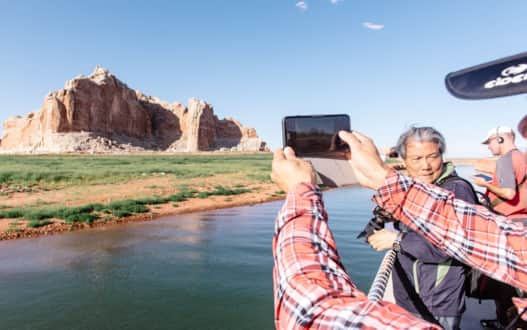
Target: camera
[(380, 218)]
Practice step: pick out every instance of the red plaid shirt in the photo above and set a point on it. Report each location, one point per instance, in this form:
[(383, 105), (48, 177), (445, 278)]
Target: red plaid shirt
[(469, 233), (312, 288)]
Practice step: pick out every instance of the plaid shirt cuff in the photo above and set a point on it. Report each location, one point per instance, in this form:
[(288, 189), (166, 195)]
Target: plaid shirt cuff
[(297, 203), (303, 189)]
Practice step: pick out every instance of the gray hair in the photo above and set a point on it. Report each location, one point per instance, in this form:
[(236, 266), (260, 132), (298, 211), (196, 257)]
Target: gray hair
[(420, 134)]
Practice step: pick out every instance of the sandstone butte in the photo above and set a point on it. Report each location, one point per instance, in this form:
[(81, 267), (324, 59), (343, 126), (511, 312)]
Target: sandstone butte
[(101, 114)]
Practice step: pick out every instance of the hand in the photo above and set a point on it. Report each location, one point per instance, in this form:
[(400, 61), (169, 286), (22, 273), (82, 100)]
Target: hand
[(288, 170), (365, 160), (382, 239)]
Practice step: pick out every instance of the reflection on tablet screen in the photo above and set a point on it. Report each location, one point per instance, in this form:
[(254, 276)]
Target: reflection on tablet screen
[(483, 176)]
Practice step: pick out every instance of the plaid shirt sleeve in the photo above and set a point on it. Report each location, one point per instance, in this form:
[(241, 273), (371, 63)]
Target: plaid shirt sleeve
[(312, 288), (469, 233)]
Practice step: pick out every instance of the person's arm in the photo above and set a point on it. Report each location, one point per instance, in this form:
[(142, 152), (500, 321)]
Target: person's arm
[(468, 233), (505, 186), (417, 246), (312, 288), (504, 193), (414, 244)]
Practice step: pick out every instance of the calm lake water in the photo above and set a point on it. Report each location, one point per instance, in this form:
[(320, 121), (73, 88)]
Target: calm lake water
[(209, 270)]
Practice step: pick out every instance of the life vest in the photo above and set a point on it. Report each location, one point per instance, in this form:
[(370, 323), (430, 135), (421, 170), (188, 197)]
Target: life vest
[(516, 207)]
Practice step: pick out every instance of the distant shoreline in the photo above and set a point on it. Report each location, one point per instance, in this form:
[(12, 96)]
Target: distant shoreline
[(470, 161), (458, 161)]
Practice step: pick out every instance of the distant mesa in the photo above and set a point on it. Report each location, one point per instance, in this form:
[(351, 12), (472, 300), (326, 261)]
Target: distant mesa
[(101, 114)]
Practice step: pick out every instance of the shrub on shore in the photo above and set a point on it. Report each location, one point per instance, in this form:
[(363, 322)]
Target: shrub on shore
[(119, 209), (222, 191), (38, 223)]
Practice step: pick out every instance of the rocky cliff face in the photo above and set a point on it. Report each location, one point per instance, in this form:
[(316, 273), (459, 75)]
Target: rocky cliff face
[(100, 113)]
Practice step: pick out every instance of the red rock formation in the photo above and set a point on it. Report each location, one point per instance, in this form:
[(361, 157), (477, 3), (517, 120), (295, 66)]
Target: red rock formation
[(99, 113)]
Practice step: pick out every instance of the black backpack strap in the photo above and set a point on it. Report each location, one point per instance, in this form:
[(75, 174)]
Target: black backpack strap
[(479, 197), (454, 178)]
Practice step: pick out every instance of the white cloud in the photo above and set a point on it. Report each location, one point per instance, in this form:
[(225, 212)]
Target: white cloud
[(373, 26), (302, 5), (335, 2)]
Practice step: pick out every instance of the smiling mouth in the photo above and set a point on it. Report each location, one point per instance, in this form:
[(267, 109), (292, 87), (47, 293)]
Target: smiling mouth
[(427, 176)]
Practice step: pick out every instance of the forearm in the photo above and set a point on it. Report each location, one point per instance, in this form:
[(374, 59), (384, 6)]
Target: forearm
[(312, 288), (503, 193), (468, 233)]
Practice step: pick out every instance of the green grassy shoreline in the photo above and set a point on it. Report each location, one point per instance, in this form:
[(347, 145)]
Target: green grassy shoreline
[(45, 174), (59, 171)]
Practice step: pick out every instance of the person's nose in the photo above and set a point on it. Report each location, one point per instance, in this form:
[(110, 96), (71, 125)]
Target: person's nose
[(425, 163)]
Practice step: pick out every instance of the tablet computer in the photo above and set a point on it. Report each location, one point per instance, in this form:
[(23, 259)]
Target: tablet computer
[(483, 176), (315, 138)]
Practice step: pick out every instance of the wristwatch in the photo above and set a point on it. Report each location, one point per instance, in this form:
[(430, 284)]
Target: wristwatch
[(397, 242)]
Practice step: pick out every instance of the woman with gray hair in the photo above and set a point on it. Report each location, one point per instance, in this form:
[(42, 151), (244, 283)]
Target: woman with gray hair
[(426, 281), (420, 134)]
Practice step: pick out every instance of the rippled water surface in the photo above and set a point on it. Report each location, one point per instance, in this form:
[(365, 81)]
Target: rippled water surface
[(195, 271)]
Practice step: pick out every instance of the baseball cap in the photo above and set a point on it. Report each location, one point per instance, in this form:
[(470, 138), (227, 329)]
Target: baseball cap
[(497, 131)]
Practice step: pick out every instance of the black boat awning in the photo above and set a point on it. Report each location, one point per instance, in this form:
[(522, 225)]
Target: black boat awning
[(503, 77)]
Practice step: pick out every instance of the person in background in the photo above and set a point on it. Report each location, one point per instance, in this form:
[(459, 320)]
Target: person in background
[(427, 281), (507, 190), (311, 286)]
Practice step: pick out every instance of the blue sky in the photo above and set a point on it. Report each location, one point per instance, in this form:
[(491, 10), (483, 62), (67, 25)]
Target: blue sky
[(381, 62)]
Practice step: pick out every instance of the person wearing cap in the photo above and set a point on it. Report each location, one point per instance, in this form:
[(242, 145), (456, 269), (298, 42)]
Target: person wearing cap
[(506, 190), (507, 193)]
